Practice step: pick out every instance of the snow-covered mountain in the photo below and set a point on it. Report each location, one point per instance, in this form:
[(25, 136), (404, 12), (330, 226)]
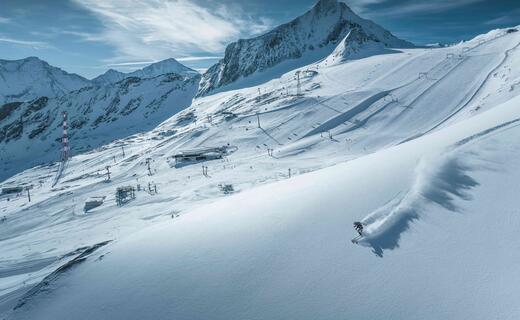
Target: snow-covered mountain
[(306, 39), (30, 78), (30, 132), (156, 69), (413, 144), (421, 146)]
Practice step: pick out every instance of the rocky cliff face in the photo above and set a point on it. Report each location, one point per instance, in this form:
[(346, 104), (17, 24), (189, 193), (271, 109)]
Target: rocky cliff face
[(319, 31)]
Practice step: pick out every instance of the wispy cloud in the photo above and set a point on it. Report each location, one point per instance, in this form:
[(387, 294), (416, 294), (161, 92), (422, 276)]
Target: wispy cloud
[(511, 18), (426, 6), (86, 36), (158, 29), (148, 62), (24, 43), (201, 70), (361, 6), (4, 20), (408, 7), (130, 64), (185, 59)]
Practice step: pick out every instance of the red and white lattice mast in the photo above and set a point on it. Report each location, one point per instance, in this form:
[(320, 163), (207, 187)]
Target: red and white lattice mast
[(65, 153)]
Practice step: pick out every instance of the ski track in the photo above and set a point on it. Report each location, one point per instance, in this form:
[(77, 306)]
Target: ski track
[(440, 180), (431, 87), (477, 91), (346, 116), (474, 94), (368, 102)]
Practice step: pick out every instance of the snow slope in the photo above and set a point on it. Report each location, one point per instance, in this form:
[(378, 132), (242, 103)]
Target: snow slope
[(418, 140), (31, 78), (283, 251)]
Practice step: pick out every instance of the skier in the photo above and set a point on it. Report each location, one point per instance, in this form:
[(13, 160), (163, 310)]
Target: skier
[(359, 228)]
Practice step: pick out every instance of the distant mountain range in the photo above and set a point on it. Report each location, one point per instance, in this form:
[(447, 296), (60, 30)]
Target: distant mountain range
[(30, 78), (34, 94), (99, 111)]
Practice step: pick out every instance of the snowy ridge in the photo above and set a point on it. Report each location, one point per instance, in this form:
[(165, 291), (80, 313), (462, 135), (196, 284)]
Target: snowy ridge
[(153, 70), (31, 78)]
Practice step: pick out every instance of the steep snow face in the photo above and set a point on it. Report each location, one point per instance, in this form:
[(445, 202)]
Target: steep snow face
[(30, 132), (354, 46), (156, 69), (312, 36), (30, 78)]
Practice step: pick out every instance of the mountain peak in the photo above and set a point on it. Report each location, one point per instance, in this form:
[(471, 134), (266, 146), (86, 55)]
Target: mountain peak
[(166, 66), (32, 58), (30, 78), (331, 6), (306, 39), (169, 65), (326, 4), (168, 61), (112, 71)]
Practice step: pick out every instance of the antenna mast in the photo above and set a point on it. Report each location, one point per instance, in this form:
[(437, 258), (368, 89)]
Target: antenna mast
[(65, 140), (298, 86)]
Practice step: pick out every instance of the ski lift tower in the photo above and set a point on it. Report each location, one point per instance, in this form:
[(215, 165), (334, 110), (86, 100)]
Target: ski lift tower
[(65, 153)]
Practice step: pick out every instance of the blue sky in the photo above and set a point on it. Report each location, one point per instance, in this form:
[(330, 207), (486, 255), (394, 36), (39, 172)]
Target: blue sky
[(90, 36)]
